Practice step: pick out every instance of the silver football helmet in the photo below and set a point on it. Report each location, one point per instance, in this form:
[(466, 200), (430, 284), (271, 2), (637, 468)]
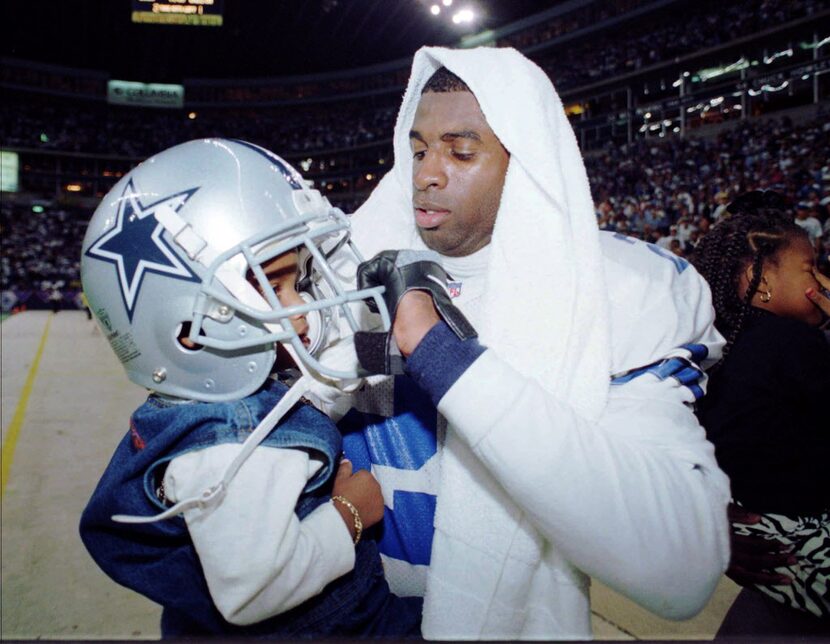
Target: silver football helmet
[(172, 249)]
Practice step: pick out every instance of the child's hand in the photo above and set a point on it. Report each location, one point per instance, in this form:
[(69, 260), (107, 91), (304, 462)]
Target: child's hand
[(363, 490), (820, 299)]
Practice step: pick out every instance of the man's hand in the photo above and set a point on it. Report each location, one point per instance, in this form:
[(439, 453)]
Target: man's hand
[(755, 558), (416, 297), (415, 316), (363, 491)]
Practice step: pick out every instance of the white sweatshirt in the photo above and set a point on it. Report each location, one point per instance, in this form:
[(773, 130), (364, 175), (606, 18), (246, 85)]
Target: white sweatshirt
[(258, 558), (635, 499)]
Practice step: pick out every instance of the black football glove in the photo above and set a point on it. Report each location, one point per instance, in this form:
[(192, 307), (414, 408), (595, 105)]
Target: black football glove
[(400, 271)]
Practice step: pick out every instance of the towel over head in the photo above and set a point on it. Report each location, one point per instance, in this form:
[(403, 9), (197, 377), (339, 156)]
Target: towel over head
[(544, 312)]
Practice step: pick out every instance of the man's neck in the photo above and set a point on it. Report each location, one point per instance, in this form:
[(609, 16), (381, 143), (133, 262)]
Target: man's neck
[(467, 282), (468, 266)]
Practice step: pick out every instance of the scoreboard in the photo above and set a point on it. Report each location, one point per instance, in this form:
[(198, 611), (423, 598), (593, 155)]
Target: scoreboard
[(204, 13)]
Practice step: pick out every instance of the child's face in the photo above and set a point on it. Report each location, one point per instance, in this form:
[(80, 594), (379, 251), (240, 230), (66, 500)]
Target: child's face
[(282, 272), (788, 278)]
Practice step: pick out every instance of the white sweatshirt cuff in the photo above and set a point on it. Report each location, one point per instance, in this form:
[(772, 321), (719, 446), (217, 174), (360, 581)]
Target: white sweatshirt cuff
[(338, 554)]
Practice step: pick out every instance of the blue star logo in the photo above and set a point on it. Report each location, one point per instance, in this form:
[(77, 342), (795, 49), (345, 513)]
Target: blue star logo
[(135, 245)]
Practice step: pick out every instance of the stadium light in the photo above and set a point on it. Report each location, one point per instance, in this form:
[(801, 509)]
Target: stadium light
[(463, 16), (446, 3), (435, 10), (778, 54), (714, 72)]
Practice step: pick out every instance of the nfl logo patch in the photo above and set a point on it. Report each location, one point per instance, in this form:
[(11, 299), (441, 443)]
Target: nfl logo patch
[(454, 289)]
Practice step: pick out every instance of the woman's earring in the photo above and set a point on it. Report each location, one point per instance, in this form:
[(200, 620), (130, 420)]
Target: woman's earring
[(766, 296)]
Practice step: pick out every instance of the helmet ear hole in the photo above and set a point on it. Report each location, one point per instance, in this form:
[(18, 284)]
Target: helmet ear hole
[(305, 274), (183, 337), (317, 325)]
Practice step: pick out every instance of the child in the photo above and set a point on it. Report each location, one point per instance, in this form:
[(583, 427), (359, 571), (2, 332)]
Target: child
[(766, 408), (191, 266)]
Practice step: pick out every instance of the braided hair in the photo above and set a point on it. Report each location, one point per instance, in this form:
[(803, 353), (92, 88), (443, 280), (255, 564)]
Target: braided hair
[(754, 229)]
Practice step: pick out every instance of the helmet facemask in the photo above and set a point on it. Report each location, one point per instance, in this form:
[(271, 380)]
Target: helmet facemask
[(226, 292)]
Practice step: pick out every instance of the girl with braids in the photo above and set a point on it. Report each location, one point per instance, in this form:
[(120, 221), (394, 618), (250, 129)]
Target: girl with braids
[(767, 409)]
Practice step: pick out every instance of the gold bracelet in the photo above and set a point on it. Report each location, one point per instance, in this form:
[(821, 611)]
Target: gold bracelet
[(358, 524)]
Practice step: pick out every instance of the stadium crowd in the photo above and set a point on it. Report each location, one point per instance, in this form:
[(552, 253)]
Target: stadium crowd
[(673, 191), (667, 191), (629, 45), (27, 122), (688, 27), (40, 260), (138, 133)]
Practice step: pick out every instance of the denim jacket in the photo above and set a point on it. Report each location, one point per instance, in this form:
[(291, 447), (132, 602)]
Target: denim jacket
[(158, 559)]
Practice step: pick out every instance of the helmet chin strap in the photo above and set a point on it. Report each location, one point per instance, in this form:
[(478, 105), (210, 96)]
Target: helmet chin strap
[(247, 294)]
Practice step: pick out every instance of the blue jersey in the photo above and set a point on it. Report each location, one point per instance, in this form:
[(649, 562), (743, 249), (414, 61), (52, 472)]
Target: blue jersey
[(396, 438)]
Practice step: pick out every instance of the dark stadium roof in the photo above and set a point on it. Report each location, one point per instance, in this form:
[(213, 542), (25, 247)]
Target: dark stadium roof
[(258, 37)]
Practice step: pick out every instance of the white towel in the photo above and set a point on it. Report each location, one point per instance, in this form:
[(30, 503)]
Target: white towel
[(544, 312)]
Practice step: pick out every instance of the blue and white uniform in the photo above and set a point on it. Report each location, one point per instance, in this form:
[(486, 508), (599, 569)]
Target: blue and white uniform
[(662, 336), (568, 448)]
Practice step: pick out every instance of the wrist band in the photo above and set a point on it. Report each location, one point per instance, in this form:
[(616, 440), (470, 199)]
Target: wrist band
[(358, 524)]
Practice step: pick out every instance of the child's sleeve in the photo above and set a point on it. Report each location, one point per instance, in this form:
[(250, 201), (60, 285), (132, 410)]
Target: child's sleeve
[(259, 559)]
